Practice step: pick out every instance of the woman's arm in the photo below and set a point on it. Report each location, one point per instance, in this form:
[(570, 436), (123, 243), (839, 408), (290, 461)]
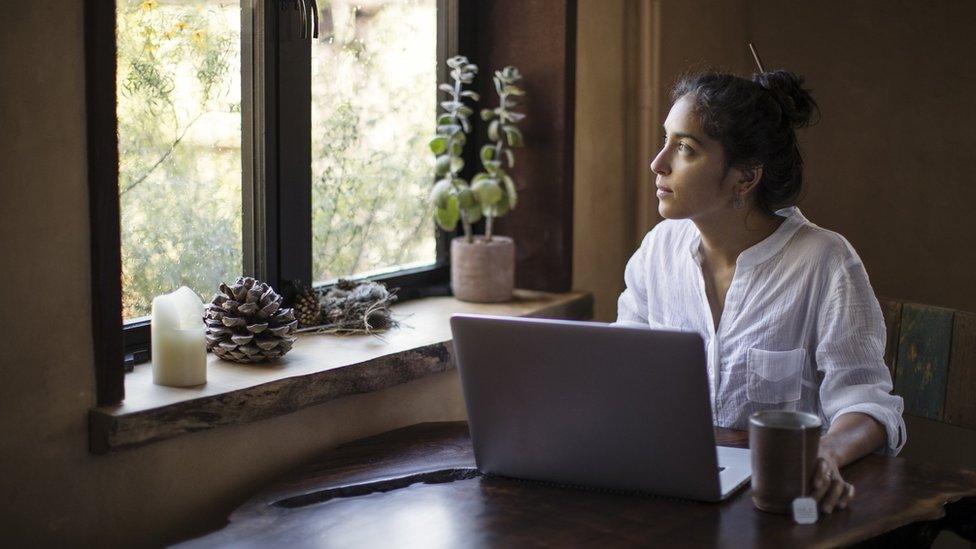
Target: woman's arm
[(850, 437), (855, 393)]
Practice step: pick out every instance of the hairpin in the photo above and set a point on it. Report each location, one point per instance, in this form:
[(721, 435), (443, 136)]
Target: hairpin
[(755, 55)]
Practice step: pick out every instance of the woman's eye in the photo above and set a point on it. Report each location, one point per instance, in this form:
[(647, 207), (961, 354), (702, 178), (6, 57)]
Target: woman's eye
[(681, 146)]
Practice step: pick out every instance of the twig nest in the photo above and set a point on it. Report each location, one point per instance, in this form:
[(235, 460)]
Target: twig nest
[(368, 292), (357, 307), (379, 319)]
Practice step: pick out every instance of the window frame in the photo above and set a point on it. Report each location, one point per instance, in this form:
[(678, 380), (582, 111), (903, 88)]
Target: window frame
[(103, 201), (276, 148), (541, 41)]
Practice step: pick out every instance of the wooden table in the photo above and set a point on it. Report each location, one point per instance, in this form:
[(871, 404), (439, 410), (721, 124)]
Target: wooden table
[(417, 487)]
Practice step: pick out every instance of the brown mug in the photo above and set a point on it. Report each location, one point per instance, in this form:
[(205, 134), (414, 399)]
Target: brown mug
[(784, 448)]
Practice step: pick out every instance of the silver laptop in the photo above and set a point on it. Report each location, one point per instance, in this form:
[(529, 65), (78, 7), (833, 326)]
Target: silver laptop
[(592, 404)]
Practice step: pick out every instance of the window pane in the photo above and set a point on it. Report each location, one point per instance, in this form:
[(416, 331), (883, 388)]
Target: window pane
[(179, 103), (374, 72)]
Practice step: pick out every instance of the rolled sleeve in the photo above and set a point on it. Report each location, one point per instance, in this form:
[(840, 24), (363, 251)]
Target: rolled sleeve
[(841, 395), (850, 353)]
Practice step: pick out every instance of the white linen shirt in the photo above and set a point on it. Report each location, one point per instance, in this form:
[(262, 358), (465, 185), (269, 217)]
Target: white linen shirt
[(801, 328)]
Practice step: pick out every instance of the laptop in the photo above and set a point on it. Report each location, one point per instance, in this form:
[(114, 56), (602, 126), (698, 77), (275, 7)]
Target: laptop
[(594, 405)]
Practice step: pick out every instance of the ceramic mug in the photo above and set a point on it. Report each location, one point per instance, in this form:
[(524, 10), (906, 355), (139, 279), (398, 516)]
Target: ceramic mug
[(784, 448)]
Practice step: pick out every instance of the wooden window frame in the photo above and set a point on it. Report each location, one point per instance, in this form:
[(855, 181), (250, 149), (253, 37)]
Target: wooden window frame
[(276, 148), (275, 212), (103, 200)]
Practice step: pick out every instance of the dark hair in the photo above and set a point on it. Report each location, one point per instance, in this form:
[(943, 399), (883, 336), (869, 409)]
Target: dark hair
[(755, 121)]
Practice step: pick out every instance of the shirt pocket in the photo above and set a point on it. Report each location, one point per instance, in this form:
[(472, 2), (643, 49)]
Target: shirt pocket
[(775, 376)]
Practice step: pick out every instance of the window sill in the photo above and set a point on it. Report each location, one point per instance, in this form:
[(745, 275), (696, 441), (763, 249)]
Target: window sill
[(318, 369)]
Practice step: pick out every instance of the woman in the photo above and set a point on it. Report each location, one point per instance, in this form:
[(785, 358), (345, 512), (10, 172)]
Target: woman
[(786, 307)]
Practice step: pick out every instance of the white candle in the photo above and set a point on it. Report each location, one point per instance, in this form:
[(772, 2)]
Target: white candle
[(179, 351)]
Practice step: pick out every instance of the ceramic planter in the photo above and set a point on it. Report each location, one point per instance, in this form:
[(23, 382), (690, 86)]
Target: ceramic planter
[(481, 271)]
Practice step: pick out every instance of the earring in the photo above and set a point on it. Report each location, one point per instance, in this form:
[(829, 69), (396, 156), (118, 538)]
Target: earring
[(737, 202)]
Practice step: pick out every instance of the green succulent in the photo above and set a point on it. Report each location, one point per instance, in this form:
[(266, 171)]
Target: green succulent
[(492, 192), (494, 187), (453, 198)]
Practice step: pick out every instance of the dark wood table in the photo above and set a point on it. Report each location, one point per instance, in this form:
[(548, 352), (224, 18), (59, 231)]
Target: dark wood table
[(417, 487)]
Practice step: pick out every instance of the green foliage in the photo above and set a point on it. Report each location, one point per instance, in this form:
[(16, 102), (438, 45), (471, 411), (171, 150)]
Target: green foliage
[(179, 113), (492, 193), (372, 105), (495, 187), (180, 182), (452, 198)]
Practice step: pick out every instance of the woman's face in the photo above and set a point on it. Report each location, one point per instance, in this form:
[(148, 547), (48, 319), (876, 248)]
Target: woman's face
[(691, 177)]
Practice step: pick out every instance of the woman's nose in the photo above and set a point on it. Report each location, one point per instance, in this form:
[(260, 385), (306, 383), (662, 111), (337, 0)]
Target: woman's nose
[(659, 164)]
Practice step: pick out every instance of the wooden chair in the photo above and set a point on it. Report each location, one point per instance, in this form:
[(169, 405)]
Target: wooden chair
[(931, 352)]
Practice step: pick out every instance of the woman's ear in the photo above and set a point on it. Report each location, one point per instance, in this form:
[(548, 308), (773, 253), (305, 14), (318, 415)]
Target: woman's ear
[(749, 178)]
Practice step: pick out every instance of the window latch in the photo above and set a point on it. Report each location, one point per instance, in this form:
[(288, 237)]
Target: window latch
[(303, 14), (304, 7), (315, 18)]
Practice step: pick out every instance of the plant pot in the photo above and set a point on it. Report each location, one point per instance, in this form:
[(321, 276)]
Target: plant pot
[(482, 271)]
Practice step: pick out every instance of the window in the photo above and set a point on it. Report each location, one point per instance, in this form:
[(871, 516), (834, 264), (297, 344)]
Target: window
[(374, 95), (345, 190), (295, 102), (179, 123)]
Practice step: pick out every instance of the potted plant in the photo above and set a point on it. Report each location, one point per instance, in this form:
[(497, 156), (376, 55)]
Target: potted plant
[(482, 267)]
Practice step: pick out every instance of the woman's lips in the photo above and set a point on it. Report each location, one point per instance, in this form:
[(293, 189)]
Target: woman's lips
[(663, 191)]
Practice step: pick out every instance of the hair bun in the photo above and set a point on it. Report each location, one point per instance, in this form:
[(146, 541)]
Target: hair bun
[(797, 103)]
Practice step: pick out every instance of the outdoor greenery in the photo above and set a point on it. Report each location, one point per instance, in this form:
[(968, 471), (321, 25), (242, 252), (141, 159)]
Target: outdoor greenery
[(373, 102), (179, 147)]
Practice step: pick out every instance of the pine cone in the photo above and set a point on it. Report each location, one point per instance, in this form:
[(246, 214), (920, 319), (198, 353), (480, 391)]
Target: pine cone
[(346, 284), (245, 323), (307, 308)]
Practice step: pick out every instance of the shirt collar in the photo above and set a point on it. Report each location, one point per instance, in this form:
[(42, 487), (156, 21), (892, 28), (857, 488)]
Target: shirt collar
[(764, 250)]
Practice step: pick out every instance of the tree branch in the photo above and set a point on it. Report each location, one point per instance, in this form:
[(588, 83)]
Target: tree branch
[(164, 157)]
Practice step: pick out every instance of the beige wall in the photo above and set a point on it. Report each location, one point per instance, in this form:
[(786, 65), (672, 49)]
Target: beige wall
[(53, 490), (601, 201)]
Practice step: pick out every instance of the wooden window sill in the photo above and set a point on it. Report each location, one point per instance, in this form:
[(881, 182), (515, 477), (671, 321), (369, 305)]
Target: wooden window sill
[(318, 369)]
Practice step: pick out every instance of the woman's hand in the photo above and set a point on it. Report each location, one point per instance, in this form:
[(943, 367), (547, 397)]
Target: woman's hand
[(851, 436), (829, 489)]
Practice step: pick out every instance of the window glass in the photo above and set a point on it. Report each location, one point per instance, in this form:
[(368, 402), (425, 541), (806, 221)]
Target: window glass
[(179, 123), (374, 71)]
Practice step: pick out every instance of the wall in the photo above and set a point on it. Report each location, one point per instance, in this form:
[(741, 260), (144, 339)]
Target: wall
[(601, 193), (53, 491)]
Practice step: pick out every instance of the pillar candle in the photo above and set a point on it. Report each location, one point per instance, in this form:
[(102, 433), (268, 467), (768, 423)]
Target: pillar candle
[(179, 351)]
